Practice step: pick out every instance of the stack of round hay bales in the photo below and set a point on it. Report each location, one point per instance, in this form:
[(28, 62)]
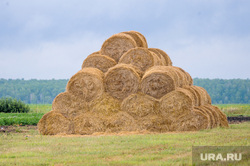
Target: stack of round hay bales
[(126, 86)]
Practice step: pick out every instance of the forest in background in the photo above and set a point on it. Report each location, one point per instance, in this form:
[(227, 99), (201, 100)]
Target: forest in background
[(222, 91)]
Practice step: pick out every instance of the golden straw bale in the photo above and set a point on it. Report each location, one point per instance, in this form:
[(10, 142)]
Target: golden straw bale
[(88, 123), (211, 120), (53, 123), (137, 37), (207, 96), (105, 105), (153, 123), (102, 62), (194, 121), (165, 55), (214, 112), (121, 80), (139, 105), (190, 79), (120, 121), (175, 104), (159, 55), (69, 105), (185, 76), (144, 41), (158, 81), (194, 94), (117, 45), (140, 57), (203, 96), (222, 117), (86, 84)]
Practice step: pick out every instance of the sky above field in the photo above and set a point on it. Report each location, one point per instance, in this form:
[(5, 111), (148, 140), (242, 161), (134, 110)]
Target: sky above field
[(47, 39)]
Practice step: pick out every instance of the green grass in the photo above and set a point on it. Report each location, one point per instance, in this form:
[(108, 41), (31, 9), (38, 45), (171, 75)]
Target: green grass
[(31, 118), (149, 149), (235, 109), (40, 108), (7, 119)]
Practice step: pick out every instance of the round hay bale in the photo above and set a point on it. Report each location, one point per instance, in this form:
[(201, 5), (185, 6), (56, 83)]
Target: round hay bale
[(157, 81), (190, 79), (194, 94), (86, 84), (208, 111), (207, 98), (121, 80), (184, 76), (175, 104), (69, 105), (153, 123), (211, 120), (140, 57), (117, 45), (101, 62), (105, 105), (160, 56), (222, 117), (120, 121), (203, 96), (144, 41), (140, 105), (215, 114), (194, 121), (53, 123), (165, 55), (87, 123), (137, 37)]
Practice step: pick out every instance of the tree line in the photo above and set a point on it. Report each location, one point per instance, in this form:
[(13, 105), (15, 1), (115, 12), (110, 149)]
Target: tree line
[(35, 91)]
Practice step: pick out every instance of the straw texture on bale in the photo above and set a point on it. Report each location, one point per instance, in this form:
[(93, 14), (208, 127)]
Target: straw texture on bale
[(153, 123), (105, 105), (215, 114), (53, 123), (222, 117), (194, 121), (140, 105), (140, 41), (144, 41), (210, 114), (69, 105), (185, 76), (121, 80), (87, 123), (175, 104), (101, 62), (194, 94), (86, 84), (117, 45), (160, 56), (140, 57), (202, 94), (120, 121), (157, 81), (165, 55)]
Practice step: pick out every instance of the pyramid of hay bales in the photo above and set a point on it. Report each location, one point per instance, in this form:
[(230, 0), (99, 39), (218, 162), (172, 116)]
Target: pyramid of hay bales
[(127, 86)]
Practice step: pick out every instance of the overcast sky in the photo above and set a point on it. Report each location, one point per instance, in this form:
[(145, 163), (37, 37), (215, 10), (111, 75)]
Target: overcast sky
[(47, 39)]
